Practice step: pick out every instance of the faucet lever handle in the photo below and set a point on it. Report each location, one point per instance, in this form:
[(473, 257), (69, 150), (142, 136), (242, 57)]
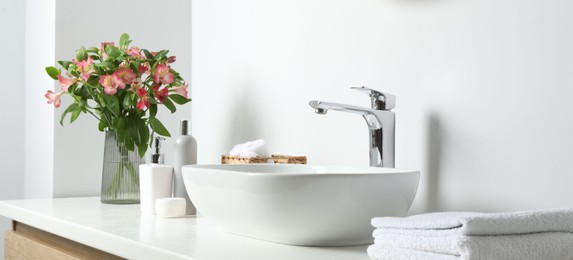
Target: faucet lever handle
[(380, 100)]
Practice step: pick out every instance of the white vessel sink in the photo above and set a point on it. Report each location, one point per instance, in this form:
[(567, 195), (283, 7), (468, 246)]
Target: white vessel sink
[(300, 204)]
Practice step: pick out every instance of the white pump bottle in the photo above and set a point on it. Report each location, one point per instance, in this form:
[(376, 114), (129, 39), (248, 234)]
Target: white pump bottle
[(185, 153)]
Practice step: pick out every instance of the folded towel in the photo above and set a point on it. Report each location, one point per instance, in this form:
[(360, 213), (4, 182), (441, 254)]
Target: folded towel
[(395, 253), (250, 149), (471, 223), (539, 234), (546, 245)]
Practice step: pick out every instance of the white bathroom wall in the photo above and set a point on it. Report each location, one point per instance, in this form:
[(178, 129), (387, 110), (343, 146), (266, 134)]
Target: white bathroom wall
[(153, 25), (12, 105), (483, 90), (12, 18), (39, 52)]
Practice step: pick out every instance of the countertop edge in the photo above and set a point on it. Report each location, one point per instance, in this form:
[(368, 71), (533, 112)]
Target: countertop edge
[(98, 239)]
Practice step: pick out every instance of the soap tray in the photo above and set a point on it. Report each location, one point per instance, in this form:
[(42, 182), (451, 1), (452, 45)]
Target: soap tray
[(278, 159)]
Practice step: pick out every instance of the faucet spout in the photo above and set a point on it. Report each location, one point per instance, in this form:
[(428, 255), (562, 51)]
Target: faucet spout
[(381, 126), (320, 111), (320, 105)]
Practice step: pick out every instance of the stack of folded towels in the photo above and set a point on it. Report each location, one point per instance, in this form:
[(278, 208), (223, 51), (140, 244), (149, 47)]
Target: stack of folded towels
[(540, 234)]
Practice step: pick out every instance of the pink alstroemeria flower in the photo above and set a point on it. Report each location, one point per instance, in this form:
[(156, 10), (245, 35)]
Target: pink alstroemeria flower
[(171, 59), (134, 52), (144, 99), (54, 98), (142, 92), (136, 85), (126, 76), (102, 48), (162, 74), (85, 67), (143, 68), (110, 83), (181, 90), (65, 82), (162, 94)]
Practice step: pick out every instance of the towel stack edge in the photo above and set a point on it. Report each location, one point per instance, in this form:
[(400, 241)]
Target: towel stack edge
[(539, 234)]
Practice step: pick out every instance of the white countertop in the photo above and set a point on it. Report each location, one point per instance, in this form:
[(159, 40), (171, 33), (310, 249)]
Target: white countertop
[(122, 231)]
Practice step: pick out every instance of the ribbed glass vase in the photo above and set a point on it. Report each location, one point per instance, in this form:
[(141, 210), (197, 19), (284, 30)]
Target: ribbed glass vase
[(120, 176)]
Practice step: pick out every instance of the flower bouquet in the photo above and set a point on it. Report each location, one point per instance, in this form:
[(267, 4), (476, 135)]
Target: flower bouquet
[(122, 87)]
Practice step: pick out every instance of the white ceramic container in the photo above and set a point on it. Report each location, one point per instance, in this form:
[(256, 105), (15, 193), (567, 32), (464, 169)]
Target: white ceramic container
[(300, 204)]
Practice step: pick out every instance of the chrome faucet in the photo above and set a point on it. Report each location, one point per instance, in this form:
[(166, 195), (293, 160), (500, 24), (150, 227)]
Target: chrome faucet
[(380, 120)]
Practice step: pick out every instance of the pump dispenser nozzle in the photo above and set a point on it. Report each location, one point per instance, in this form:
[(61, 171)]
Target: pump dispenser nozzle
[(184, 127), (157, 156), (155, 179)]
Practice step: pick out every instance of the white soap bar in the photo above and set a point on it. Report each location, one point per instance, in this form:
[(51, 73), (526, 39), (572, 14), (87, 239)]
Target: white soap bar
[(170, 207)]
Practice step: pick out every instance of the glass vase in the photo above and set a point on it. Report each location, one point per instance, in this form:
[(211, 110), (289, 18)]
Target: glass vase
[(120, 175)]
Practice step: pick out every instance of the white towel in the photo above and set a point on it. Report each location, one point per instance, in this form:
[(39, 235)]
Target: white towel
[(539, 234), (534, 246), (471, 223), (395, 253), (250, 149)]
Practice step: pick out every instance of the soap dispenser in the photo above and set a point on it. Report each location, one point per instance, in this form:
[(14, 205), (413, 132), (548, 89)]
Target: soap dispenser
[(185, 152), (155, 179)]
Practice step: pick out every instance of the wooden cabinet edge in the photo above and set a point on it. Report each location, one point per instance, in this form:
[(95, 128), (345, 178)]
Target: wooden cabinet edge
[(27, 242)]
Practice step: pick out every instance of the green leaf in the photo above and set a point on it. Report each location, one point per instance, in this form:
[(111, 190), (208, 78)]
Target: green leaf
[(83, 103), (175, 74), (123, 41), (81, 54), (147, 54), (95, 57), (179, 99), (178, 81), (75, 115), (134, 65), (105, 64), (143, 130), (65, 64), (53, 72), (112, 51), (101, 126), (133, 131), (120, 135), (129, 143), (158, 127), (127, 100), (111, 103), (167, 102), (119, 123), (142, 149), (152, 101), (114, 106), (75, 89), (93, 50), (93, 80), (72, 107), (152, 110), (101, 100), (99, 70), (75, 73), (161, 54)]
